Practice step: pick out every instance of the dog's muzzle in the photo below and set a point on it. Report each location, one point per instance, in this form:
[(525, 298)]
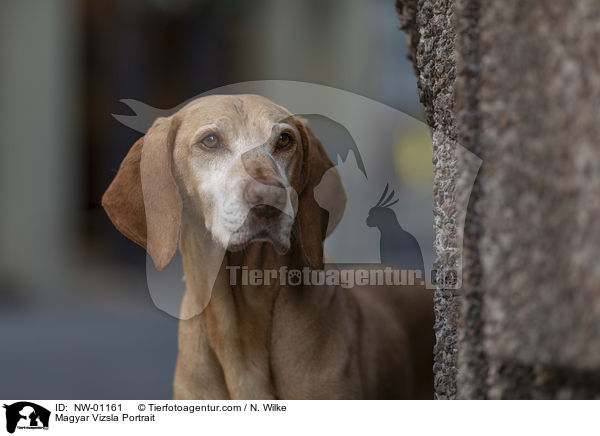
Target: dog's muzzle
[(266, 199)]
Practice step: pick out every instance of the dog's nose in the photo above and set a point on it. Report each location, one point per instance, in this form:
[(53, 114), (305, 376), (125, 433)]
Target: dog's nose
[(264, 192)]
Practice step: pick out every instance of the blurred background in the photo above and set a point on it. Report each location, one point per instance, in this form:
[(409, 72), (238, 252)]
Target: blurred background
[(76, 320)]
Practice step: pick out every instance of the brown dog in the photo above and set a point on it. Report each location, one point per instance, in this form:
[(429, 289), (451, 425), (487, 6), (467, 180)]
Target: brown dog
[(223, 179)]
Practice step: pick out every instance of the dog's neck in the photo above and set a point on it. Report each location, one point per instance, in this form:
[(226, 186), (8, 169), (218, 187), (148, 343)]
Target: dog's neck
[(237, 318), (208, 267)]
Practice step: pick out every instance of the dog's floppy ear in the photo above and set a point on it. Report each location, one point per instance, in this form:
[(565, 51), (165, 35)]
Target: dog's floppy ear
[(322, 186), (143, 201)]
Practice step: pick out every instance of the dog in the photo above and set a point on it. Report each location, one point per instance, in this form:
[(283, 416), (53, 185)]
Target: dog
[(239, 181)]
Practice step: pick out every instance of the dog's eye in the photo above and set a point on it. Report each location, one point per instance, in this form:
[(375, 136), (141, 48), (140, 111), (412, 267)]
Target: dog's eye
[(284, 141), (210, 141)]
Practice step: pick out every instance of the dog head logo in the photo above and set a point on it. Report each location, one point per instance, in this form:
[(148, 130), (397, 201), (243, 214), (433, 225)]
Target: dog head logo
[(365, 145), (26, 415)]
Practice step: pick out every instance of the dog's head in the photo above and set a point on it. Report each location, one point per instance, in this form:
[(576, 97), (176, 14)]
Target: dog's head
[(242, 166)]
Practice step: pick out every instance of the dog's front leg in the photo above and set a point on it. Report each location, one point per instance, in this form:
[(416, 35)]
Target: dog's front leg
[(198, 374), (240, 339), (222, 354)]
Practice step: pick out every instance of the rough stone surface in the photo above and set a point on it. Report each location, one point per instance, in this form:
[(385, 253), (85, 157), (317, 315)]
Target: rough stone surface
[(527, 90), (540, 140), (538, 94), (472, 361), (428, 26)]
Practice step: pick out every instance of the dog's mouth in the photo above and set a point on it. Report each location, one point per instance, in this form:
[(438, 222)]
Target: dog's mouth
[(263, 223)]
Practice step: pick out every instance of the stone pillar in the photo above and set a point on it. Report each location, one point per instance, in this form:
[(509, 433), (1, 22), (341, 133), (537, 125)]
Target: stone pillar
[(429, 29), (527, 88)]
